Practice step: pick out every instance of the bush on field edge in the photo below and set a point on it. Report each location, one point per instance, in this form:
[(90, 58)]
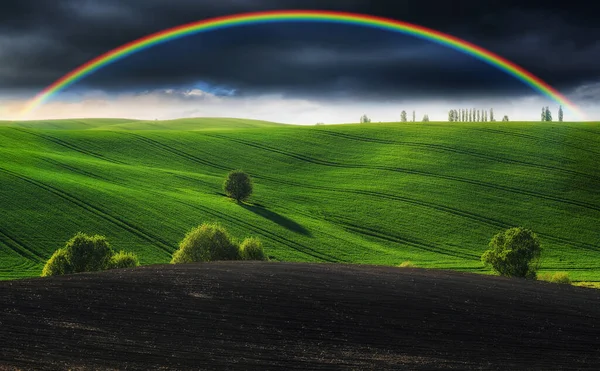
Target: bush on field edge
[(84, 253), (212, 242)]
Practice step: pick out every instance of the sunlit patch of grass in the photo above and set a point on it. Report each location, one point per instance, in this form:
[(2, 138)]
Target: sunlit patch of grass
[(556, 277), (591, 285)]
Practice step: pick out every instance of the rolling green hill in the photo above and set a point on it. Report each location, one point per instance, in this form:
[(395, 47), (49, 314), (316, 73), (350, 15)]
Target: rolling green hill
[(204, 123), (432, 193), (66, 124)]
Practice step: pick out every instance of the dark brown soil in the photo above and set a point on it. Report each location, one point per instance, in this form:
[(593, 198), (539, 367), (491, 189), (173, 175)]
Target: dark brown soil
[(251, 315)]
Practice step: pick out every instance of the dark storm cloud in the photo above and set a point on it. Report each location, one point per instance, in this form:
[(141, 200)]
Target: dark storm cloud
[(42, 40)]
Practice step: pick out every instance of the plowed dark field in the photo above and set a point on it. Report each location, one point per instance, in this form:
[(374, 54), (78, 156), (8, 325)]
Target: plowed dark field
[(251, 315)]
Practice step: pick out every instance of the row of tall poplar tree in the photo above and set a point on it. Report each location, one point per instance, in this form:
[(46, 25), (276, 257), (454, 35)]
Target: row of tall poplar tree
[(472, 115), (547, 115), (461, 115)]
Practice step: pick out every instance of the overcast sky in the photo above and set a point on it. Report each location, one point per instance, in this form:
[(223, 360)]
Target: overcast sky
[(296, 72)]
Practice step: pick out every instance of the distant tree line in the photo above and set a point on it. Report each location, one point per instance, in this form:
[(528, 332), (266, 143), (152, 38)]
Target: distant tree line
[(469, 115), (364, 119), (454, 115), (547, 115)]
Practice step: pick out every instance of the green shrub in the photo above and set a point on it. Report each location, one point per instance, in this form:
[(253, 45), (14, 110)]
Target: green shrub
[(238, 185), (82, 253), (57, 264), (123, 259), (88, 253), (207, 242), (252, 249), (407, 264), (557, 277), (515, 252)]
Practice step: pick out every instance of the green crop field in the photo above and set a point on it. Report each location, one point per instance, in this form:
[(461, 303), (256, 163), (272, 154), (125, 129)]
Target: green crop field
[(432, 193)]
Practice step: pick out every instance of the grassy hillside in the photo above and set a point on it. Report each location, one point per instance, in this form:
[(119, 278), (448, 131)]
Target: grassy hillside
[(66, 124), (432, 193), (205, 123)]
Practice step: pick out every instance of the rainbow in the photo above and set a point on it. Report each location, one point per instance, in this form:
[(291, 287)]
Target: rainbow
[(296, 16)]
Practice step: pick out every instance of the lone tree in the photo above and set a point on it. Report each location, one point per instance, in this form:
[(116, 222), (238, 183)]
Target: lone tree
[(364, 119), (515, 252), (238, 185), (426, 118), (560, 114), (492, 115), (403, 116), (505, 118), (413, 116)]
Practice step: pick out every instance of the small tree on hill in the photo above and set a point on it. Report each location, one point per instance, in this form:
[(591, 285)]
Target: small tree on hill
[(364, 119), (426, 118), (543, 113), (492, 115), (505, 118), (238, 185), (515, 252), (548, 114), (403, 116), (451, 116), (413, 116), (560, 114)]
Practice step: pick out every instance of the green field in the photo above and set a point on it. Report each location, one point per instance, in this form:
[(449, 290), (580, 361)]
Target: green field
[(432, 193)]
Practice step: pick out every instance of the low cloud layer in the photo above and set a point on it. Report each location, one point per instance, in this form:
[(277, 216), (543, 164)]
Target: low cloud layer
[(171, 104)]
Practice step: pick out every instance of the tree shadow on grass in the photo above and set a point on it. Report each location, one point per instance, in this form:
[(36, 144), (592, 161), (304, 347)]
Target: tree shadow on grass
[(276, 218)]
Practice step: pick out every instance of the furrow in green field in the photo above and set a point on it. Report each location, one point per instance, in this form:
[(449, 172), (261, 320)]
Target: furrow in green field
[(69, 146), (155, 240), (410, 171), (20, 248), (481, 219), (442, 148)]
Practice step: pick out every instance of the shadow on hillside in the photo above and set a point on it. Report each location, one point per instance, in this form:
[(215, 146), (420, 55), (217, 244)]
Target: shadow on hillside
[(276, 218)]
